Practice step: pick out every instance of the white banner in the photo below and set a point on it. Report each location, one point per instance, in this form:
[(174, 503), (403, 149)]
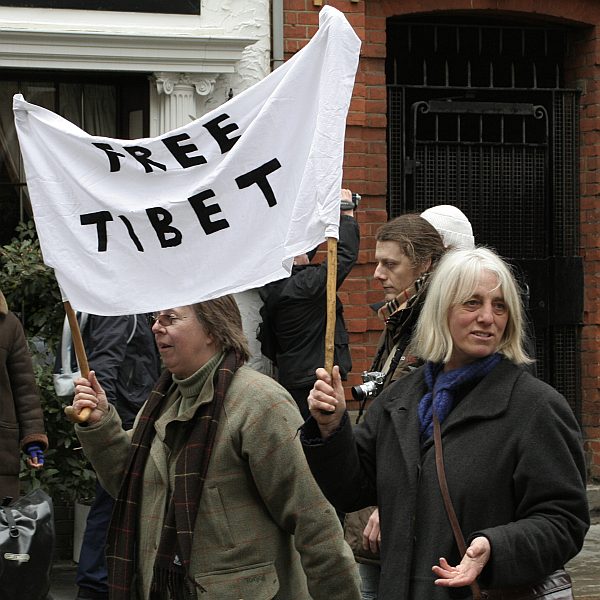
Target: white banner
[(215, 207)]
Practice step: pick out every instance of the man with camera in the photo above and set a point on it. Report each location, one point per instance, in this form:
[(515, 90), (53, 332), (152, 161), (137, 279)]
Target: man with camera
[(294, 314), (407, 250)]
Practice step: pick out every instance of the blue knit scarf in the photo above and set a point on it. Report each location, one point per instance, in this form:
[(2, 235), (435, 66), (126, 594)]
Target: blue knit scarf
[(442, 385)]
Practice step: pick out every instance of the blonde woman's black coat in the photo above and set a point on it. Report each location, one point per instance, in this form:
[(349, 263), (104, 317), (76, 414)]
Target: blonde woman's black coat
[(515, 469)]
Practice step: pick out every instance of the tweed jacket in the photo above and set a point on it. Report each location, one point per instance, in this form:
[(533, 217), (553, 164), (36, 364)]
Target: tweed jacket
[(515, 468), (21, 417), (264, 529)]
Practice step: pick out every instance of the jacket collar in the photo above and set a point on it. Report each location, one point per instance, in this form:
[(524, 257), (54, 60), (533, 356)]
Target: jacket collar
[(487, 400)]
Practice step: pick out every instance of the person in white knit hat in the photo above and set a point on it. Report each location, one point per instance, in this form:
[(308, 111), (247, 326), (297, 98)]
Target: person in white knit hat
[(452, 225)]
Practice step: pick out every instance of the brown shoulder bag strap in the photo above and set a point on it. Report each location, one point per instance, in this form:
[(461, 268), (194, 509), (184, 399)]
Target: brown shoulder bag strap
[(441, 473)]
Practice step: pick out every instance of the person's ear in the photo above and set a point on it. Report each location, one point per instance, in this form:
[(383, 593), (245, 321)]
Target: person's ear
[(425, 266)]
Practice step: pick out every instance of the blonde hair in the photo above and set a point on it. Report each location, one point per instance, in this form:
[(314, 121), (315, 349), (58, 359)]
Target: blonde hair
[(222, 320), (452, 283)]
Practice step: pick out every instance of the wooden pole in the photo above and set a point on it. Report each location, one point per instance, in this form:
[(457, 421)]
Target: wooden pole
[(81, 361), (331, 302)]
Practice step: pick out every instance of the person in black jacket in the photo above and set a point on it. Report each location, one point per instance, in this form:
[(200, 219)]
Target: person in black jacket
[(512, 448), (295, 310), (122, 352)]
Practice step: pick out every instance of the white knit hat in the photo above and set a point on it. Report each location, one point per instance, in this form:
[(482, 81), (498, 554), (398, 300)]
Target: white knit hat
[(452, 225)]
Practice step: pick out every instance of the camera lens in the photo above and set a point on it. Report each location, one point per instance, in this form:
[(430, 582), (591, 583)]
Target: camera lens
[(366, 390), (358, 393)]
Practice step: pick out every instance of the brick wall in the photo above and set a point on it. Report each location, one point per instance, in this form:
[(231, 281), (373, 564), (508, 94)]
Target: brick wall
[(365, 164), (365, 168), (583, 71)]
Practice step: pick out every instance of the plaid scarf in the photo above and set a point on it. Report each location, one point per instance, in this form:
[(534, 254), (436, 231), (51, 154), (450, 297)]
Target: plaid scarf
[(441, 388), (171, 568), (401, 301), (400, 319)]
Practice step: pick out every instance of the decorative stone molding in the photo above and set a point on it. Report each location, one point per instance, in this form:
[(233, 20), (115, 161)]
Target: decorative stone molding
[(181, 97), (168, 83), (98, 40), (91, 51)]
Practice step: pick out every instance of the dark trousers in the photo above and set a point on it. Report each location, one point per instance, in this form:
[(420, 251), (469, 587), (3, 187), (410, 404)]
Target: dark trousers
[(91, 571)]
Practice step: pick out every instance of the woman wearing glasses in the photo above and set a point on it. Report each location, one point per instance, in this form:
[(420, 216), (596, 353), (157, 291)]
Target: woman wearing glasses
[(213, 494)]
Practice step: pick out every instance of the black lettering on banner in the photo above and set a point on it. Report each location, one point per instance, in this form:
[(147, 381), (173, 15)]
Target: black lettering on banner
[(220, 133), (99, 219), (181, 152), (161, 220), (204, 212), (113, 160), (259, 176), (134, 238), (142, 155)]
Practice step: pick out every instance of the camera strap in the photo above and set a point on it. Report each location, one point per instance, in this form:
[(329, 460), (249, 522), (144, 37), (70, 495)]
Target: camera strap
[(397, 354), (391, 362), (361, 410)]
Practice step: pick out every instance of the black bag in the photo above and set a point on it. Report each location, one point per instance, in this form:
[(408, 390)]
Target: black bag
[(26, 547), (557, 586)]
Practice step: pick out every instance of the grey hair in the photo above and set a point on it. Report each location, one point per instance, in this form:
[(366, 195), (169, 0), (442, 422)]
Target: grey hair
[(452, 283)]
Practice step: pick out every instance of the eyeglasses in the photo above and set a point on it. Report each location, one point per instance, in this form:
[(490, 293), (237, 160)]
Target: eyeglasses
[(164, 319)]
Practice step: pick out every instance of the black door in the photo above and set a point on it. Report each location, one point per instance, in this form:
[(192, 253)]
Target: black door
[(478, 119)]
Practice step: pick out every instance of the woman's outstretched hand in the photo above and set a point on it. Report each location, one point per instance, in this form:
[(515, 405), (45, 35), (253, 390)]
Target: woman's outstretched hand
[(326, 401), (471, 565)]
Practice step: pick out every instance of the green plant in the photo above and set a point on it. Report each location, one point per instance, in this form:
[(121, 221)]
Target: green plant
[(66, 475), (31, 290), (30, 287)]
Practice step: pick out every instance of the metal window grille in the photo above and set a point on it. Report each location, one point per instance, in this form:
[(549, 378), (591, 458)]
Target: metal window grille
[(478, 117)]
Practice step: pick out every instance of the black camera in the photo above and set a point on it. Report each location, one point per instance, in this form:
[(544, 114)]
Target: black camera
[(350, 204), (370, 387)]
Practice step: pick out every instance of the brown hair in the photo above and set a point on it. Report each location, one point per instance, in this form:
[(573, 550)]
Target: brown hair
[(418, 239), (222, 320)]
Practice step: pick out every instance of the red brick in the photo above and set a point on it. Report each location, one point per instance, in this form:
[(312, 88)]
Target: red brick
[(355, 325), (291, 5)]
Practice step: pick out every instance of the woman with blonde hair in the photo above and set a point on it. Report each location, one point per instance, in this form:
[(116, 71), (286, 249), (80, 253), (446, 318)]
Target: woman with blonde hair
[(512, 449)]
